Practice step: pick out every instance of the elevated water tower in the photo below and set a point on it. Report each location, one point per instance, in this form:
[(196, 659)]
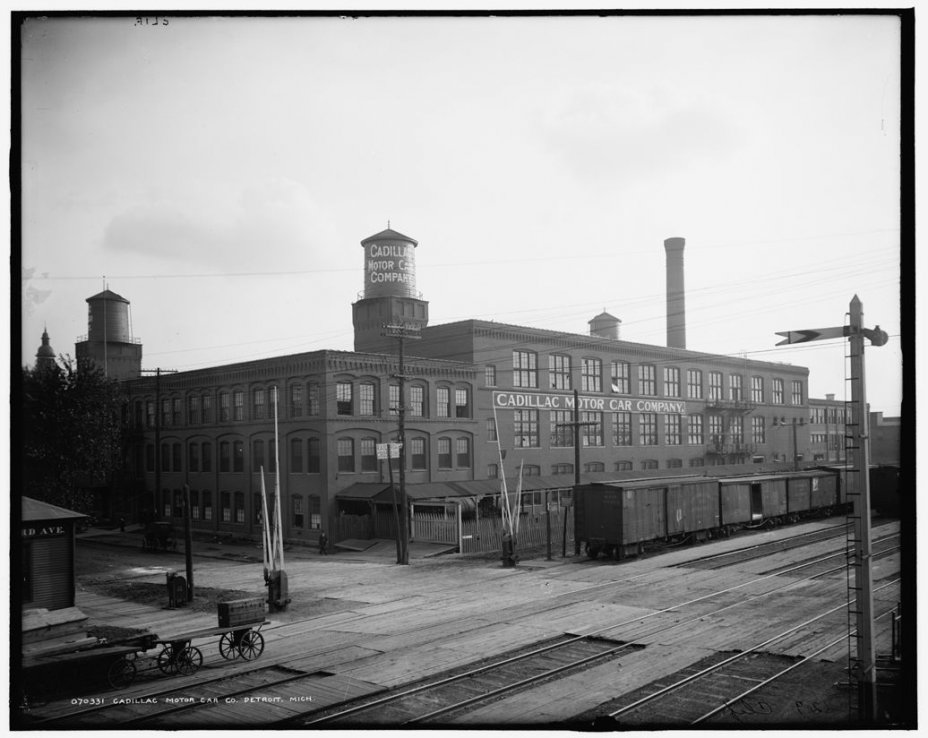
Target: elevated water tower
[(390, 296), (109, 342)]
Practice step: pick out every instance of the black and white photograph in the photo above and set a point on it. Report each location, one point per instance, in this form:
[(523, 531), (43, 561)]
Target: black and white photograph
[(524, 368)]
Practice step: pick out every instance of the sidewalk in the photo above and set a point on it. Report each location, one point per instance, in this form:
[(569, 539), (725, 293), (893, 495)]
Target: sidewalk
[(237, 549)]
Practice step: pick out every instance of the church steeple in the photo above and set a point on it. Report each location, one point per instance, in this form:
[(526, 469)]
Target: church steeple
[(45, 356)]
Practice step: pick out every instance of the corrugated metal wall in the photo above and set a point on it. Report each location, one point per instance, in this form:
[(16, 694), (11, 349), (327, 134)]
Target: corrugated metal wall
[(52, 569)]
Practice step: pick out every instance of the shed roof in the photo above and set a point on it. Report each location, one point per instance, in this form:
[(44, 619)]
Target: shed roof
[(38, 510)]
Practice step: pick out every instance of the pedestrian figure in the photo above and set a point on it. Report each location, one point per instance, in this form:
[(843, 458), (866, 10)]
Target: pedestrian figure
[(323, 543)]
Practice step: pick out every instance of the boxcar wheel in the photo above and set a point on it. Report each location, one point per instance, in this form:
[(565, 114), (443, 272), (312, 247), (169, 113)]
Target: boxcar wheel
[(592, 551)]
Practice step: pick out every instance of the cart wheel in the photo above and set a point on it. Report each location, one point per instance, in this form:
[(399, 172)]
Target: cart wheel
[(252, 645), (227, 647), (121, 673), (166, 661), (189, 660)]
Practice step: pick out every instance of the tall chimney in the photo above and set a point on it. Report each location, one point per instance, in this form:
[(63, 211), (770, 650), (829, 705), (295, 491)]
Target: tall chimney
[(676, 303)]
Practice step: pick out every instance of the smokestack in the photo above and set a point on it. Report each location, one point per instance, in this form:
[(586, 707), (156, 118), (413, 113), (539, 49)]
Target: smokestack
[(676, 303)]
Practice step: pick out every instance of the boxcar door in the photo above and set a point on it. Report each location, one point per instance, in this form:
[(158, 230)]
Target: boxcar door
[(757, 501)]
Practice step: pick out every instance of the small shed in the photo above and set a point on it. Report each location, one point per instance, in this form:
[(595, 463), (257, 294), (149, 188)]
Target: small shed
[(47, 536)]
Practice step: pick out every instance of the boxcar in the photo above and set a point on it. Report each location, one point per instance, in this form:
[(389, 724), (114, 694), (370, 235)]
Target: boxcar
[(799, 493), (752, 499), (692, 507)]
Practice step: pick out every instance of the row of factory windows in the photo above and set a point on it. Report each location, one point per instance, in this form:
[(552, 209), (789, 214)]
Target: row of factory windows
[(825, 415), (351, 398), (623, 465), (651, 429), (304, 455), (305, 511), (644, 381)]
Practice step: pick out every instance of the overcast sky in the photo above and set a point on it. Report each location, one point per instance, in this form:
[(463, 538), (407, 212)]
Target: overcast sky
[(221, 173)]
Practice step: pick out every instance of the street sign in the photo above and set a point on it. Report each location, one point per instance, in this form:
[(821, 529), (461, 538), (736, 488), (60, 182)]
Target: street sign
[(813, 334), (388, 451)]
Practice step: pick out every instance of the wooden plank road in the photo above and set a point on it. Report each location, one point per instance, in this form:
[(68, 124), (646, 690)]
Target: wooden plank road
[(407, 622)]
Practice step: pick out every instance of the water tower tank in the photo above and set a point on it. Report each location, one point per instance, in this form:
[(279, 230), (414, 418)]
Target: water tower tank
[(605, 325), (108, 318), (389, 265)]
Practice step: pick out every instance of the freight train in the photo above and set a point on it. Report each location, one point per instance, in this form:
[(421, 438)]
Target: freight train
[(618, 518)]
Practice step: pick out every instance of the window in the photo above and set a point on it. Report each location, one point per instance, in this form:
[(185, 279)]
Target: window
[(623, 466), (177, 411), (444, 403), (532, 470), (239, 507), (366, 399), (649, 464), (796, 394), (368, 454), (671, 381), (165, 457), (594, 466), (258, 404), (149, 457), (591, 376), (313, 457), (238, 456), (238, 405), (716, 435), (461, 403), (345, 448), (758, 430), (674, 463), (257, 455), (416, 401), (562, 432), (177, 457), (491, 429), (492, 471), (757, 389), (166, 503), (207, 405), (225, 507), (207, 505), (621, 429), (462, 452), (225, 406), (735, 388), (207, 448), (776, 392), (694, 430), (312, 397), (194, 504), (525, 428), (296, 456), (296, 400), (697, 461), (394, 391), (343, 398), (296, 512), (524, 369), (489, 375), (737, 429), (444, 453), (621, 382), (562, 469), (417, 458), (715, 385), (647, 381), (694, 383), (647, 429), (559, 371), (193, 409), (165, 412), (193, 457), (591, 429), (315, 512), (672, 433), (150, 414)]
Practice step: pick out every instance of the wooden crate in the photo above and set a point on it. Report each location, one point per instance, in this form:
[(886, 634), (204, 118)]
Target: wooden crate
[(239, 612)]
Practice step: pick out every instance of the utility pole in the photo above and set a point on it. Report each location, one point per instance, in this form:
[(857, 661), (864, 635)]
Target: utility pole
[(401, 332), (575, 424), (157, 373), (188, 543)]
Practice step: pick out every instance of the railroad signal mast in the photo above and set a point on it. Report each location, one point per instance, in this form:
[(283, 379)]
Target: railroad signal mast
[(858, 446)]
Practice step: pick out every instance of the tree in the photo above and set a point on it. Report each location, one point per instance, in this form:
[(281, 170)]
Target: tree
[(72, 435)]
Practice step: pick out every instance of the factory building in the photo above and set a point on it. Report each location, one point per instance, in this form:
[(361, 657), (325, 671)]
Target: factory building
[(473, 388)]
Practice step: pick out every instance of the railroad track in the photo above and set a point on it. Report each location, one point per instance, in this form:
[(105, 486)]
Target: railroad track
[(172, 706)]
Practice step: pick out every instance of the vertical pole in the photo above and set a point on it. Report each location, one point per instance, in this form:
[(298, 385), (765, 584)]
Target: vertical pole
[(396, 510), (404, 519), (548, 519), (157, 495), (188, 543), (795, 447), (862, 571), (576, 463), (564, 539)]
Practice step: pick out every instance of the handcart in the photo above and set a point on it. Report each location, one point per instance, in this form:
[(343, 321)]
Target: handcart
[(242, 640)]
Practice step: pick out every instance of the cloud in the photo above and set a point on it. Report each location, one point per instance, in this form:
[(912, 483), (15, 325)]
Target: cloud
[(626, 134), (270, 225)]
